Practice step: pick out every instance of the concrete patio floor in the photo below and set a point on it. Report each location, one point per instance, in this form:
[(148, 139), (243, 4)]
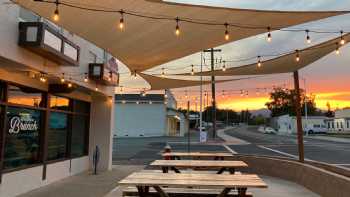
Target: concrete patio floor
[(105, 185)]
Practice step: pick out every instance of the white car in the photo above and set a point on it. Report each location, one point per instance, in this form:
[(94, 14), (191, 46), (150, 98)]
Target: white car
[(269, 130)]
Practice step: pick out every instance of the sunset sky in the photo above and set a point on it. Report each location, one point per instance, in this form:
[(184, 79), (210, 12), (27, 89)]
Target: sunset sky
[(328, 79)]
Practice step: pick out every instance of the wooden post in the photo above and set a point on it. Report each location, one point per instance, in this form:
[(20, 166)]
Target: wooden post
[(298, 117), (188, 134)]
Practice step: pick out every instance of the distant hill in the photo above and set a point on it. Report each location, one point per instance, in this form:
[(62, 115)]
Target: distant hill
[(263, 112)]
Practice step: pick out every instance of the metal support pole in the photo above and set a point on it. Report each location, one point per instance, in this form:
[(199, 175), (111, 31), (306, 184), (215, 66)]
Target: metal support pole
[(201, 98), (305, 102), (298, 116), (213, 88)]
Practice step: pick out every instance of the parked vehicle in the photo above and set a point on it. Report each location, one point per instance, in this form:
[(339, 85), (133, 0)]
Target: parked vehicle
[(315, 128), (269, 130)]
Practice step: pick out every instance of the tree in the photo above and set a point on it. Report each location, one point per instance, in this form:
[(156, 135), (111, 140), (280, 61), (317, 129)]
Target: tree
[(329, 113), (283, 102)]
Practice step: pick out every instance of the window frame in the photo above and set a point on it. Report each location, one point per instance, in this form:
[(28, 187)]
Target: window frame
[(45, 110)]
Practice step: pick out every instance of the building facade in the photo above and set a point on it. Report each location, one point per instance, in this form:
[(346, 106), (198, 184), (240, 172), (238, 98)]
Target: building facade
[(340, 122), (288, 125), (148, 115), (53, 113)]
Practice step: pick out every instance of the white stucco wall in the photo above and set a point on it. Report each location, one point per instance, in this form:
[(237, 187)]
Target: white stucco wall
[(136, 120)]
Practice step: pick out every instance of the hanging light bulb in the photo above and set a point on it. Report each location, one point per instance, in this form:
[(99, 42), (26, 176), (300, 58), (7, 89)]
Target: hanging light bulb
[(308, 39), (86, 79), (150, 102), (96, 88), (297, 56), (257, 91), (137, 102), (224, 66), (177, 28), (135, 74), (56, 14), (269, 37), (342, 40), (192, 70), (223, 93), (62, 78), (121, 21), (337, 50), (259, 61), (227, 34), (242, 94), (42, 78), (69, 85), (121, 89), (123, 101), (163, 73)]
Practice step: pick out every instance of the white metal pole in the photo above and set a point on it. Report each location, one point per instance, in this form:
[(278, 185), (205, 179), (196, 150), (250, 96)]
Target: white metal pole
[(200, 97)]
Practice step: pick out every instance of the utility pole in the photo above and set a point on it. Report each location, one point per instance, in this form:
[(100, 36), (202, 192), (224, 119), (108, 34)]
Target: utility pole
[(213, 99)]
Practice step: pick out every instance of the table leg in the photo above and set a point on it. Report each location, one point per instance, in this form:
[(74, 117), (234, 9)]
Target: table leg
[(221, 170), (165, 169), (225, 192), (175, 170), (242, 192), (160, 191), (231, 170), (143, 190)]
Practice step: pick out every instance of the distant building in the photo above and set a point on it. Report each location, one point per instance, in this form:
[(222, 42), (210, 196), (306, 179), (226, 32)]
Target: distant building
[(148, 116), (340, 122), (286, 124)]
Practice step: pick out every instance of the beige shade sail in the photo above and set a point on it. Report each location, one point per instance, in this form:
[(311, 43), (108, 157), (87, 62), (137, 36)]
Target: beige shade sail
[(146, 43), (283, 64), (159, 83)]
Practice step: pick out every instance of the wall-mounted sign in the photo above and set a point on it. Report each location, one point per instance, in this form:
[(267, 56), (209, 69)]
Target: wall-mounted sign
[(44, 40), (22, 123)]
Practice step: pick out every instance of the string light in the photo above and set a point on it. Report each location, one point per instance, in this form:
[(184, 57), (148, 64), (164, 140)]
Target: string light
[(192, 70), (56, 14), (69, 85), (62, 78), (150, 102), (223, 93), (137, 102), (42, 78), (337, 51), (269, 37), (259, 61), (177, 28), (135, 74), (165, 94), (121, 89), (121, 21), (224, 66), (297, 56), (86, 78), (342, 40), (242, 94), (163, 73), (123, 101), (308, 39), (227, 34)]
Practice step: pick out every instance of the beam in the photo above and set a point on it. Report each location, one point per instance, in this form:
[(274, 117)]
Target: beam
[(298, 116)]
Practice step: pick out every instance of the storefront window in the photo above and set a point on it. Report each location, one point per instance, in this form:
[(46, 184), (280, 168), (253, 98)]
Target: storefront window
[(79, 131), (59, 103), (22, 137), (57, 136), (24, 96)]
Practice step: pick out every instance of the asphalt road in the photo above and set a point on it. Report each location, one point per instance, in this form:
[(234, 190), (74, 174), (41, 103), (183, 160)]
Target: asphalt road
[(336, 153)]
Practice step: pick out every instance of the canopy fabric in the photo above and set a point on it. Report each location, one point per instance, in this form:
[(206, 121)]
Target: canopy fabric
[(282, 64), (146, 43), (159, 83)]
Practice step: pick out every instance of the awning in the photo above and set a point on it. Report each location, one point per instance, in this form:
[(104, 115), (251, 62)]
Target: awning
[(159, 83), (283, 64), (146, 43)]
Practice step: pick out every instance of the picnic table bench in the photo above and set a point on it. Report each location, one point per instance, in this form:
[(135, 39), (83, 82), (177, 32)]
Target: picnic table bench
[(215, 155), (193, 185), (174, 165)]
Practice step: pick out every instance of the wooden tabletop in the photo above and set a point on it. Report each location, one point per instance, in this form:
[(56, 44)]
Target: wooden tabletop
[(199, 163), (197, 154), (194, 180)]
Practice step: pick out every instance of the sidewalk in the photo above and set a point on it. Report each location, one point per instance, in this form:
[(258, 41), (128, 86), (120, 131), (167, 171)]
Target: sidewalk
[(85, 184), (230, 140)]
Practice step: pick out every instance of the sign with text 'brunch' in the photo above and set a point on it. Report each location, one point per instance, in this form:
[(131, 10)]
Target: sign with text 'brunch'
[(23, 123)]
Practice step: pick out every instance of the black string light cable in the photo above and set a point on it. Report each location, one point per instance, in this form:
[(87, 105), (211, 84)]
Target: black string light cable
[(178, 19)]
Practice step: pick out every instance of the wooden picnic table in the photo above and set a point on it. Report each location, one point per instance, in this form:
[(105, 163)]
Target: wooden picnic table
[(225, 182), (193, 164), (215, 155)]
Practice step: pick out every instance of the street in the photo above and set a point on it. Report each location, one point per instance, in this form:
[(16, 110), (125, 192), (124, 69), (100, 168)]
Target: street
[(143, 150), (336, 153)]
